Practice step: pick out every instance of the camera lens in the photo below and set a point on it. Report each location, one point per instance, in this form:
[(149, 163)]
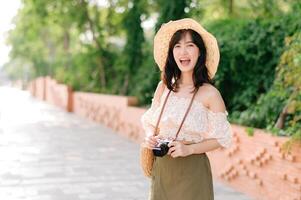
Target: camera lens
[(162, 150)]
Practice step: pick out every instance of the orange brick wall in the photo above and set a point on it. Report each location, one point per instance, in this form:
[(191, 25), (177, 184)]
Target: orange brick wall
[(40, 88), (253, 165), (31, 87), (258, 166), (45, 88), (58, 94), (111, 110)]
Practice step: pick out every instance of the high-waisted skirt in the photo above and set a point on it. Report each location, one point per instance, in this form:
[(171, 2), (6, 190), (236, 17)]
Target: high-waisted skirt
[(183, 178)]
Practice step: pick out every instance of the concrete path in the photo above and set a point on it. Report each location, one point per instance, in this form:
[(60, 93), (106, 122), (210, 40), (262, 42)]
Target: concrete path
[(46, 153)]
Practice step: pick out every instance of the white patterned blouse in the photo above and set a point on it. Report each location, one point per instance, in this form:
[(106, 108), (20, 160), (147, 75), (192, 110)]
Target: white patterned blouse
[(201, 123)]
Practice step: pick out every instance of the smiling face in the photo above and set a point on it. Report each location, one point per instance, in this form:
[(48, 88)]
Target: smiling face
[(186, 53), (186, 59)]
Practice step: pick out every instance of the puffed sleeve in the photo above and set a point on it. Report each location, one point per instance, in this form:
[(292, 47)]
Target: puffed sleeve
[(147, 120), (220, 128)]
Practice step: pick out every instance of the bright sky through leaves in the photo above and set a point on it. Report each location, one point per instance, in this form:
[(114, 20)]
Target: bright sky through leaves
[(8, 9)]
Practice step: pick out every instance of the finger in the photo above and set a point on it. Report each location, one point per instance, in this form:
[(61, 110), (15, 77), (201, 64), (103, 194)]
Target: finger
[(151, 140), (173, 143), (154, 139), (172, 149), (151, 144), (174, 154)]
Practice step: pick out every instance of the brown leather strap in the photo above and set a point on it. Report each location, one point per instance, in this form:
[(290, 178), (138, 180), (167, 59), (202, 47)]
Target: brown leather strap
[(157, 125), (186, 113)]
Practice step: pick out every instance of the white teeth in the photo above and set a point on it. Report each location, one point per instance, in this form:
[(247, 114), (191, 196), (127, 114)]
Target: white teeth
[(184, 59)]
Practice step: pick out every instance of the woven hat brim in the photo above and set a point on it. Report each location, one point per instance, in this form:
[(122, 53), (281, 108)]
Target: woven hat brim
[(165, 33)]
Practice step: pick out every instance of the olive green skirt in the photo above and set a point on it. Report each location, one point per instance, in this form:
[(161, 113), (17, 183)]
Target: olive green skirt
[(184, 178)]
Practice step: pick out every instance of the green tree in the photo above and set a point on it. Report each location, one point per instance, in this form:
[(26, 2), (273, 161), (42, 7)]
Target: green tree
[(171, 10), (54, 37), (279, 109), (133, 54)]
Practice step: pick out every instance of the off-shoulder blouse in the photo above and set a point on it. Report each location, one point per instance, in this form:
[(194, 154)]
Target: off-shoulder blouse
[(201, 123)]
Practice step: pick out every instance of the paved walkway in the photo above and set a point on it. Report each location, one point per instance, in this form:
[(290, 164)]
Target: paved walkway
[(46, 153)]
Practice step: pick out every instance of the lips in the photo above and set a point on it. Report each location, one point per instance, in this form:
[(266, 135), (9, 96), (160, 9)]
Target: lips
[(185, 61)]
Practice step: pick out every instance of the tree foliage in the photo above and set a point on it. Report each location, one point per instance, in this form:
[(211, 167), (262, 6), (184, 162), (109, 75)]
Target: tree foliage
[(106, 49), (132, 52), (171, 10)]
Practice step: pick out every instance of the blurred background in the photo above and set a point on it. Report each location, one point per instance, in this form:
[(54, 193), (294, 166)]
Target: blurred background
[(105, 46)]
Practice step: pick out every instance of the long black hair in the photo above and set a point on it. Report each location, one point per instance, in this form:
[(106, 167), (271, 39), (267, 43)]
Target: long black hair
[(171, 70)]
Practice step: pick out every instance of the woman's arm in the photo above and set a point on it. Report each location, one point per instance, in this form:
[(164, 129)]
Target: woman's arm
[(150, 140), (178, 149), (146, 118), (204, 146), (216, 104)]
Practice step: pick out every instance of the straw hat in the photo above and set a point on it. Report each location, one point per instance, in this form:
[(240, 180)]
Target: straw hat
[(165, 33)]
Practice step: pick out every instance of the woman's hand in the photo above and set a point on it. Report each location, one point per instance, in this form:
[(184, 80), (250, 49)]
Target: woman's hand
[(178, 149), (151, 141)]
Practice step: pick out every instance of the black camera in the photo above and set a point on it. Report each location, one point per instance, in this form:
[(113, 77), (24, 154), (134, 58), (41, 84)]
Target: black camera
[(161, 148)]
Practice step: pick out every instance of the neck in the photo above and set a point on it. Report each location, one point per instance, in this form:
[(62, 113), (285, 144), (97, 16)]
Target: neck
[(186, 79)]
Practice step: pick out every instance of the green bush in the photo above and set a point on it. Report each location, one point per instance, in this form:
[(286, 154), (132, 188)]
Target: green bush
[(259, 71), (250, 51), (284, 97)]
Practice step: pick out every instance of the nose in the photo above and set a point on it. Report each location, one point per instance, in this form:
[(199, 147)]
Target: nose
[(183, 50)]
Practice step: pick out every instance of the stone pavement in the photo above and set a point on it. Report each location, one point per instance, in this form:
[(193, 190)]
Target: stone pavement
[(46, 153)]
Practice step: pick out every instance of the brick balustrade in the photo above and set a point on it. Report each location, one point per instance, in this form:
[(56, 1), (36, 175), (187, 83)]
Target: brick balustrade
[(258, 165), (255, 165)]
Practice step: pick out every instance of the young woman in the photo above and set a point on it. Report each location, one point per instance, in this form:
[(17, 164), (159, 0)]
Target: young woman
[(188, 57)]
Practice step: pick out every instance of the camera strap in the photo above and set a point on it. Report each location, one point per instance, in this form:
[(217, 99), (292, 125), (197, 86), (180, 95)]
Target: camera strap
[(190, 104)]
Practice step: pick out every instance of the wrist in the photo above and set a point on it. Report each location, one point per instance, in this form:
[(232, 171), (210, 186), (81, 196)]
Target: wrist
[(190, 149)]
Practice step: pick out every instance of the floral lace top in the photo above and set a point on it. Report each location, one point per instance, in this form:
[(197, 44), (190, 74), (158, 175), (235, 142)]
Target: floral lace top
[(201, 123)]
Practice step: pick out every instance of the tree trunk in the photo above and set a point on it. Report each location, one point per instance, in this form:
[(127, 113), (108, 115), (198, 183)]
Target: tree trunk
[(66, 45), (101, 68), (124, 88), (231, 7), (281, 119)]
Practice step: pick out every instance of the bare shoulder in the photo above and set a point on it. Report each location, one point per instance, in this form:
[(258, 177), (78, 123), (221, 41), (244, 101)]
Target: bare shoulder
[(210, 89), (214, 99), (161, 86)]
